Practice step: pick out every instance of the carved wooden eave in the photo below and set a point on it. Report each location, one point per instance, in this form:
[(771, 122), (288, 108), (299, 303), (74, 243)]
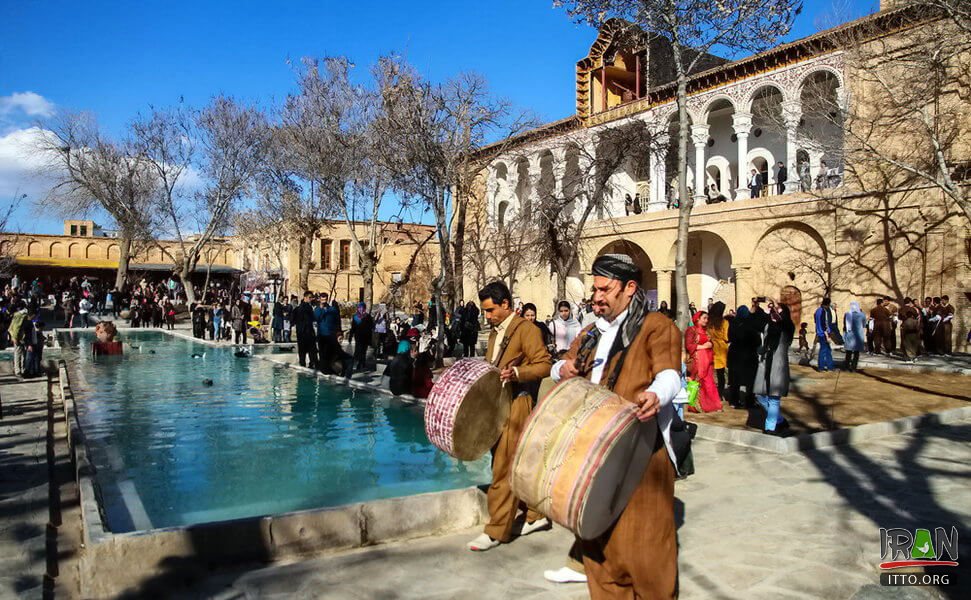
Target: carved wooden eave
[(609, 32)]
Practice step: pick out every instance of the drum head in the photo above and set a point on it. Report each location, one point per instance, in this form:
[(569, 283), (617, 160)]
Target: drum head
[(481, 417), (616, 479)]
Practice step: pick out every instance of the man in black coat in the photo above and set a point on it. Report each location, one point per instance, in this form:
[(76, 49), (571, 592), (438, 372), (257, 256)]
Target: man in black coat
[(303, 321), (781, 174)]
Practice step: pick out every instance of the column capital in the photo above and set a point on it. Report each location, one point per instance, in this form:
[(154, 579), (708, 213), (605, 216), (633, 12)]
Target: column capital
[(741, 268), (663, 270), (699, 134), (742, 123)]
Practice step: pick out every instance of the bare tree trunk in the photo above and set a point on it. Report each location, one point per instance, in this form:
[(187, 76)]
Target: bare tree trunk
[(458, 285), (367, 276), (685, 204), (124, 257), (560, 287), (185, 275), (306, 248)]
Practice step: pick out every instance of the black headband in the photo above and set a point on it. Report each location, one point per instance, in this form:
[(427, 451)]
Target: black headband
[(616, 266)]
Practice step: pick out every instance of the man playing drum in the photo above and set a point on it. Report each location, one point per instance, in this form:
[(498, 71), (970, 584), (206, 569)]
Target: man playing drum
[(516, 347), (637, 354)]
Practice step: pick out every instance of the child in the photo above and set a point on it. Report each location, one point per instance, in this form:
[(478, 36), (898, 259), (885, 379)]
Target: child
[(803, 341)]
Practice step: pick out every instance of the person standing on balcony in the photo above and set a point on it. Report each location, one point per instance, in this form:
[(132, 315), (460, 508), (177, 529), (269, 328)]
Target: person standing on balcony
[(755, 184), (781, 174)]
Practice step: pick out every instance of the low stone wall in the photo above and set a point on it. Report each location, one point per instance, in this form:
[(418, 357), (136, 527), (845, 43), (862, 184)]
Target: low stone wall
[(150, 562)]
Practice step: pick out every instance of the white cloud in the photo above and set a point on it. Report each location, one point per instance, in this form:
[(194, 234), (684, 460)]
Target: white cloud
[(28, 103), (21, 164)]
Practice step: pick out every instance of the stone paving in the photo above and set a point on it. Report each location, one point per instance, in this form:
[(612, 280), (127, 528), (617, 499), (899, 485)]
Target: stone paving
[(751, 525), (24, 509)]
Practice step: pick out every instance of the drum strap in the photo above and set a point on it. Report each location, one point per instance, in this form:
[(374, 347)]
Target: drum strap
[(505, 344)]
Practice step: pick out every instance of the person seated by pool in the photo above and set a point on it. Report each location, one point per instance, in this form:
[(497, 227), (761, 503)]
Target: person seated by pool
[(401, 369), (106, 344), (343, 363), (257, 334)]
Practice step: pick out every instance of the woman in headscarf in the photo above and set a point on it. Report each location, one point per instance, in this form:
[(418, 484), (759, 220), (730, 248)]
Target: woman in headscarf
[(743, 358), (529, 313), (854, 340), (718, 334), (564, 327), (772, 376), (470, 329), (701, 362)]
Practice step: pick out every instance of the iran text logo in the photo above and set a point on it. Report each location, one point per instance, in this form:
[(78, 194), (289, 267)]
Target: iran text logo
[(918, 548)]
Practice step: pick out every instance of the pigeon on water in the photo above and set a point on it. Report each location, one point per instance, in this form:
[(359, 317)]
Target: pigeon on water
[(242, 353), (207, 382), (134, 347), (203, 355)]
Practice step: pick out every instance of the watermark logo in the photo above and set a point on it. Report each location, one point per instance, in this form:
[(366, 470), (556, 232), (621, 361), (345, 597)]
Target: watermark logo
[(918, 548)]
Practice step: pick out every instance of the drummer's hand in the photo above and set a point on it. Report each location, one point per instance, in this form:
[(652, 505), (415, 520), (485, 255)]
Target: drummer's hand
[(508, 374), (568, 369), (647, 405)]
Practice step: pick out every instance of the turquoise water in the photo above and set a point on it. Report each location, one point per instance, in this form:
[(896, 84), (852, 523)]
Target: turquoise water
[(263, 439)]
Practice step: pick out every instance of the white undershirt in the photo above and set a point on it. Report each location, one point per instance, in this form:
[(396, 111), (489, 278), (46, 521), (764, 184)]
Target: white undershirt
[(666, 384)]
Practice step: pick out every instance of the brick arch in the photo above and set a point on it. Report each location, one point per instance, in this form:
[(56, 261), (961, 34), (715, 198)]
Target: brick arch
[(112, 252), (799, 261), (91, 250), (74, 250), (34, 248), (6, 248), (57, 250)]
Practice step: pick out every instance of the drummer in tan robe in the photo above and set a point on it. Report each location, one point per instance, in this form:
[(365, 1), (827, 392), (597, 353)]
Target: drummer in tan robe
[(638, 555), (516, 347)]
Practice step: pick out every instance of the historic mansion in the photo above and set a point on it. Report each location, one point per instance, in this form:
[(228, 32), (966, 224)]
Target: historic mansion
[(797, 240)]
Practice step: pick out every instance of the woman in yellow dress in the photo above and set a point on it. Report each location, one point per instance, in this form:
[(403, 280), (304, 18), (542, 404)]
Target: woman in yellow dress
[(718, 334)]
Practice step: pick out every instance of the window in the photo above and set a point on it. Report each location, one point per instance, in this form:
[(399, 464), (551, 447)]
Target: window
[(74, 229), (396, 277), (84, 230), (345, 257), (326, 252)]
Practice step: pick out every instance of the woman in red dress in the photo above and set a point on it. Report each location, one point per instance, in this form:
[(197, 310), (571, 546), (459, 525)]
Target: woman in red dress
[(701, 362)]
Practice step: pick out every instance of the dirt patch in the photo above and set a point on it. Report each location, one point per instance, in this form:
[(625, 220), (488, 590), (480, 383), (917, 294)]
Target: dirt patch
[(825, 401)]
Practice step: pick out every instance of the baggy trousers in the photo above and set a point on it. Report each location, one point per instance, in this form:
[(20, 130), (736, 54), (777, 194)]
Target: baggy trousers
[(503, 505), (638, 556)]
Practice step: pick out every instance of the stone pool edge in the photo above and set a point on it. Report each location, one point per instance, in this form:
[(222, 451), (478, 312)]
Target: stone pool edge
[(145, 561)]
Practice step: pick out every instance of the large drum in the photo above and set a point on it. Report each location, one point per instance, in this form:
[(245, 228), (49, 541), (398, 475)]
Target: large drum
[(581, 456), (467, 409)]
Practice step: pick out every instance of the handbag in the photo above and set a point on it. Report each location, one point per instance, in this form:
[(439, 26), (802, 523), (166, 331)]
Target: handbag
[(693, 387)]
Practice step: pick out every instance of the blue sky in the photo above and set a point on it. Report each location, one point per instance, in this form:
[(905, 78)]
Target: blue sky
[(118, 58)]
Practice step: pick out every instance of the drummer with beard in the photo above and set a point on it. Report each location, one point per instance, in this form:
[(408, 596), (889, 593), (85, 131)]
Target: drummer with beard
[(636, 354), (516, 347)]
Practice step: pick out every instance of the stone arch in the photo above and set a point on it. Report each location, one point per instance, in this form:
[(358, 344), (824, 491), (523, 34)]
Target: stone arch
[(641, 259), (230, 256), (761, 88), (546, 183), (817, 69), (74, 250), (91, 250), (723, 180), (112, 253), (715, 100), (710, 273), (754, 160), (6, 248), (502, 213), (57, 250), (799, 259), (33, 248)]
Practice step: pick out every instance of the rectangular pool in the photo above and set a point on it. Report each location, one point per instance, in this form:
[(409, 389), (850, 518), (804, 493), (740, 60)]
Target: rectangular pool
[(169, 449)]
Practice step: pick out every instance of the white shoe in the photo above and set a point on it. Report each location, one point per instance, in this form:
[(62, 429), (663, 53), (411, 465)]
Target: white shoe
[(536, 525), (482, 543), (565, 575)]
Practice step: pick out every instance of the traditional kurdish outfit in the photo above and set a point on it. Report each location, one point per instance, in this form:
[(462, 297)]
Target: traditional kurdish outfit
[(701, 366), (944, 331), (514, 339), (639, 350)]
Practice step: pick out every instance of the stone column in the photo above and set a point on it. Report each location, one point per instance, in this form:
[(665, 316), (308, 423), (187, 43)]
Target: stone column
[(742, 124), (699, 135), (744, 292), (664, 278), (659, 175), (535, 173), (792, 114), (559, 170)]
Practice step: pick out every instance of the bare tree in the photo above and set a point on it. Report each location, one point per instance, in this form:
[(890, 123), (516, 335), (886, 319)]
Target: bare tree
[(502, 246), (89, 171), (7, 256), (223, 145), (435, 131), (693, 29)]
